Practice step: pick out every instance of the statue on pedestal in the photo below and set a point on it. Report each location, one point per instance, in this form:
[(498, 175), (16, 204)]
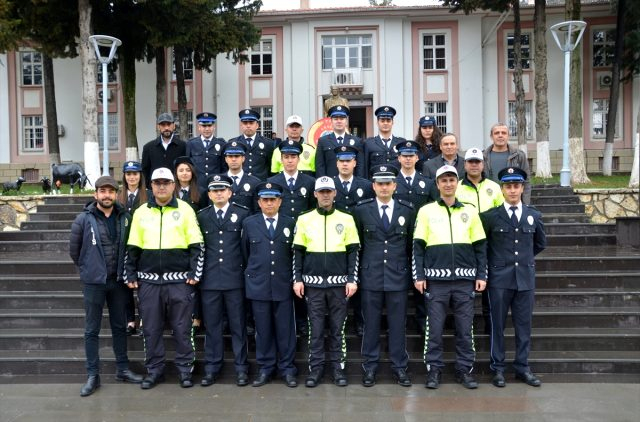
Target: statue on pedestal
[(334, 100)]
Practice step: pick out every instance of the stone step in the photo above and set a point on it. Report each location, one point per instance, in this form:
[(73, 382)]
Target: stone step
[(551, 190), (581, 240), (49, 207), (553, 199), (53, 216), (560, 217), (46, 225), (32, 246), (48, 267), (68, 199), (561, 208), (36, 235), (571, 280), (547, 262), (40, 283), (579, 228)]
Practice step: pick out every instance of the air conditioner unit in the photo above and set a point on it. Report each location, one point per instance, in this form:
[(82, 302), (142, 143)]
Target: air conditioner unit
[(604, 81), (109, 95), (345, 78)]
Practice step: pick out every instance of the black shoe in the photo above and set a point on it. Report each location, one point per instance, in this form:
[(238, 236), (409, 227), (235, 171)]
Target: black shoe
[(92, 384), (208, 379), (314, 378), (402, 378), (151, 381), (369, 378), (528, 378), (262, 379), (185, 380), (131, 330), (433, 379), (339, 378), (242, 379), (466, 379), (290, 381), (498, 379), (127, 375)]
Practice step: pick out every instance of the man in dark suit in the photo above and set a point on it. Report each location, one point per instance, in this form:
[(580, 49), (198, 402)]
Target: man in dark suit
[(162, 151), (243, 186), (515, 235), (350, 189), (327, 144), (205, 150), (449, 147), (267, 238), (259, 148), (385, 228), (222, 286), (381, 148)]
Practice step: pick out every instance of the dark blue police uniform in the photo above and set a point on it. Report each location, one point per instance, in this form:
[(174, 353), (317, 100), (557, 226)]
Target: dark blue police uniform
[(379, 151), (243, 187), (206, 154), (259, 148), (325, 152)]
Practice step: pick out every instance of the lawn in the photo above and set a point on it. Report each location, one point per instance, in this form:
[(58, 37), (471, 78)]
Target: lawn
[(598, 181)]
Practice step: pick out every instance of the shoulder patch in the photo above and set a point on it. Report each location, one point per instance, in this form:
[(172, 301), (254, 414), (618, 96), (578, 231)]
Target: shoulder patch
[(405, 203)]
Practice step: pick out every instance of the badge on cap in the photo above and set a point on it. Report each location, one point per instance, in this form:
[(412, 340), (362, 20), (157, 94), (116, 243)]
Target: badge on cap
[(510, 170), (383, 168), (130, 163), (268, 185), (386, 109), (247, 112), (339, 108)]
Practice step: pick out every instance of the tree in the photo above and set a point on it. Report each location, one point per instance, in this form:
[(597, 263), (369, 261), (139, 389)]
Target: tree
[(541, 83), (381, 2), (576, 147), (631, 69)]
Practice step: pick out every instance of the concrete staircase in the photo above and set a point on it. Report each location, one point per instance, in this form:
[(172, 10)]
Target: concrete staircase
[(586, 322)]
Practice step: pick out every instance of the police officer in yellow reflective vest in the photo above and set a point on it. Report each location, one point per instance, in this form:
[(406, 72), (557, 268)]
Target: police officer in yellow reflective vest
[(449, 252), (164, 260), (325, 268)]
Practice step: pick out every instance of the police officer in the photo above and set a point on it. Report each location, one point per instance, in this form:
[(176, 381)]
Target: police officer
[(385, 227), (259, 148), (474, 188), (243, 186), (307, 161), (515, 235), (350, 189), (205, 150), (381, 148), (327, 144), (164, 261), (266, 245), (326, 249), (297, 195), (449, 252), (222, 285)]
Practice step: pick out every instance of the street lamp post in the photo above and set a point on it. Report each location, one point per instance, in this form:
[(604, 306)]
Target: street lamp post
[(112, 44), (567, 35)]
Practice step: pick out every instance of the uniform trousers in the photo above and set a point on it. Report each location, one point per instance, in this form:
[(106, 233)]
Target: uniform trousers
[(373, 303), (275, 336), (321, 301), (214, 303), (158, 303), (95, 295), (521, 304), (457, 294)]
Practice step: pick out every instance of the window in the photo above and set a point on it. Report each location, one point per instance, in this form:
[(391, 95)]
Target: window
[(525, 48), (599, 118), (346, 51), (266, 121), (513, 124), (437, 109), (32, 133), (603, 45), (187, 66), (189, 121), (434, 48), (113, 131), (31, 68), (112, 75), (261, 58)]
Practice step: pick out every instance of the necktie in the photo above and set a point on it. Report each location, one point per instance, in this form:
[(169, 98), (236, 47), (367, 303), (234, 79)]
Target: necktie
[(132, 198), (385, 218), (249, 142), (408, 180), (272, 229), (183, 194), (219, 212), (514, 217), (386, 142), (206, 144), (340, 140), (345, 185), (235, 180), (291, 183)]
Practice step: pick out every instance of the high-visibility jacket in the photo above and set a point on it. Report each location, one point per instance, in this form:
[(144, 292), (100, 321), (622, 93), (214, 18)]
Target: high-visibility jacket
[(326, 246), (449, 243), (307, 163), (485, 196), (165, 244)]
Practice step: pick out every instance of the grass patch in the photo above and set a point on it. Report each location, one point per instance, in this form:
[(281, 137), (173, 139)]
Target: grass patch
[(598, 181), (36, 189)]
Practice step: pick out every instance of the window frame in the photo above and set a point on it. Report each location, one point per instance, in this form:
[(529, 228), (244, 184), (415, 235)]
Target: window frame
[(527, 58), (189, 71), (528, 116), (114, 131), (266, 120), (434, 108), (32, 65), (605, 110), (607, 47), (434, 48), (261, 54), (35, 132), (363, 48)]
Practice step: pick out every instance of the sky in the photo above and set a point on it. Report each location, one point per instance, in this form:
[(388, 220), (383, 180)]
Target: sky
[(317, 4)]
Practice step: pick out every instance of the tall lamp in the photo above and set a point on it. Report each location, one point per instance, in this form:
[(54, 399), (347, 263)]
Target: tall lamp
[(567, 35), (112, 44)]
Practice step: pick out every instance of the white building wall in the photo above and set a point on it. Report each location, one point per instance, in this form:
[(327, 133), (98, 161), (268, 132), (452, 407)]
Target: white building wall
[(228, 102), (5, 151), (145, 104), (392, 61), (68, 77)]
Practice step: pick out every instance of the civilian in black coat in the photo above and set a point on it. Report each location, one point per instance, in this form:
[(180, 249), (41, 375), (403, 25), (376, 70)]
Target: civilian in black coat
[(449, 147), (162, 151)]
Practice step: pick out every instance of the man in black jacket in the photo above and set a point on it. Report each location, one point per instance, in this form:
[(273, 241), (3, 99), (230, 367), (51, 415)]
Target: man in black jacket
[(163, 150), (97, 244)]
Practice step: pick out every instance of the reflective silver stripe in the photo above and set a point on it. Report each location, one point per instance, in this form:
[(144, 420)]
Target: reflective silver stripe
[(334, 279)]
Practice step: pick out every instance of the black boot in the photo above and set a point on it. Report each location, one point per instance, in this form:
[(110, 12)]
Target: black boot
[(92, 384)]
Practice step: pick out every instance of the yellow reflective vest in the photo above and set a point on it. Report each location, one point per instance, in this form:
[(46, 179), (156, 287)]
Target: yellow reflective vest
[(485, 196)]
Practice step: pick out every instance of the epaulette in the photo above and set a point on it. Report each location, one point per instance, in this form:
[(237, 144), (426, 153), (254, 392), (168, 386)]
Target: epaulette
[(405, 203), (205, 208), (531, 207), (365, 201), (239, 205)]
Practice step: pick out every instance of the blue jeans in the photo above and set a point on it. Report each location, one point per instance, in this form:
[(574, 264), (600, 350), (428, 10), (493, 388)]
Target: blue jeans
[(116, 295)]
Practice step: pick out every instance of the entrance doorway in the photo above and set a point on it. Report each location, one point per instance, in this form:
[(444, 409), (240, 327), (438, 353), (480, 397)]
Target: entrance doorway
[(358, 122)]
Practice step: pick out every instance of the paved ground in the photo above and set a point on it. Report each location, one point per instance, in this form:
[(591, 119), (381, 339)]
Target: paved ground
[(274, 402)]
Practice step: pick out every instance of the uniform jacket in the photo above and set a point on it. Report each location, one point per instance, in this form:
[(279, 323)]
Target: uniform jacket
[(257, 158), (431, 167), (326, 248), (298, 200), (165, 244), (385, 256), (245, 192), (449, 243), (375, 152), (422, 190), (202, 203), (91, 249), (155, 156), (224, 265), (516, 158), (485, 196), (268, 270), (359, 190), (207, 162), (511, 250), (326, 158)]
